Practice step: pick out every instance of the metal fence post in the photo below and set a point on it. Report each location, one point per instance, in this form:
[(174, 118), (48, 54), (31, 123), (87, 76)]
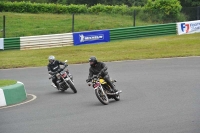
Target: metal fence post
[(4, 26), (198, 13), (134, 18), (73, 22)]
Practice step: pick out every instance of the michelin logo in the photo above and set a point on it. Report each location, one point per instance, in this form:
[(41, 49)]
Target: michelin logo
[(90, 37)]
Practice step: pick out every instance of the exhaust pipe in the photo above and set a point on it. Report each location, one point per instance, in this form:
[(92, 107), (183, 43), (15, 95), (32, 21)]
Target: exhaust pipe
[(116, 93)]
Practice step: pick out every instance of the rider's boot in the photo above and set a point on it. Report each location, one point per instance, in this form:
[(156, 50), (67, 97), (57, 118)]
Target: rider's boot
[(58, 86), (113, 87), (52, 84), (116, 91)]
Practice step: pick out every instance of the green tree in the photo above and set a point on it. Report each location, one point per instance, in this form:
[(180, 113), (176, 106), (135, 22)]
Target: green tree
[(164, 9)]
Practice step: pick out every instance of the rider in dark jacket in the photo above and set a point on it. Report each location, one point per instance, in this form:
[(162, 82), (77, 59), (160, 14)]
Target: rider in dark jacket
[(54, 67), (99, 69)]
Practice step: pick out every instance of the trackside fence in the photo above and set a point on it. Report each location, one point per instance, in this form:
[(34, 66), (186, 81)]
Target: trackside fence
[(70, 39), (11, 43), (46, 41), (142, 31)]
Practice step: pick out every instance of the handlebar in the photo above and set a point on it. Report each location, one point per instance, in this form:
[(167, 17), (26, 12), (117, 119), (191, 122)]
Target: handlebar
[(95, 77)]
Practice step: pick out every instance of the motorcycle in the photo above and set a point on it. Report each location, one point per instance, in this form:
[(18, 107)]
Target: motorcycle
[(64, 80), (103, 91)]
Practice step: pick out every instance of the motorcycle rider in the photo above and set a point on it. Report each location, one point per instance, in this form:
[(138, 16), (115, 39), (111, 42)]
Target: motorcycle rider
[(54, 68), (99, 69)]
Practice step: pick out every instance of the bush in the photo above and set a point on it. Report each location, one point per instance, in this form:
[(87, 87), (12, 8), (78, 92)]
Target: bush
[(117, 9), (76, 8), (29, 7), (96, 8), (166, 10), (154, 11)]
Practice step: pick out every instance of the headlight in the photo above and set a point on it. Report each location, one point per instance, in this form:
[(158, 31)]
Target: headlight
[(58, 76)]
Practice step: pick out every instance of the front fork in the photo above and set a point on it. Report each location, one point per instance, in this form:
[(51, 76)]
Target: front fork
[(68, 78), (101, 88)]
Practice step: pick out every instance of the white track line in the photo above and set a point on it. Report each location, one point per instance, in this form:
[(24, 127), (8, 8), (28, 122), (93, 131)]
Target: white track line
[(34, 97)]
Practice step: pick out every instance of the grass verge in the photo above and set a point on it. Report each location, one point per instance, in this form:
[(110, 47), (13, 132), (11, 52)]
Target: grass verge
[(6, 82), (144, 48)]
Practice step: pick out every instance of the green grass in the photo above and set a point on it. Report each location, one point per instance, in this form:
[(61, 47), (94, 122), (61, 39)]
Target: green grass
[(24, 24), (6, 82), (144, 48)]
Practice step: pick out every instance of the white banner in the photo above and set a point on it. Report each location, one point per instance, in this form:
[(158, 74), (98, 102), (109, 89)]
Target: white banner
[(1, 43), (188, 27)]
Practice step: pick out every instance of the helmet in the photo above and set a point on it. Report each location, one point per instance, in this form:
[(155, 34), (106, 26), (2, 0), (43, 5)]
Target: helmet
[(51, 59), (93, 60)]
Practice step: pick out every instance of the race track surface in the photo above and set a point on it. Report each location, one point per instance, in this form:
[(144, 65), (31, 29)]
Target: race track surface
[(159, 96)]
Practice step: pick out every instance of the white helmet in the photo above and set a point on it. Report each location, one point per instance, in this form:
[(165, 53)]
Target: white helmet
[(51, 59)]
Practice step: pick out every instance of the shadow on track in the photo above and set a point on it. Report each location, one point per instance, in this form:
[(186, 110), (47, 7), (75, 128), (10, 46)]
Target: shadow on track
[(61, 93)]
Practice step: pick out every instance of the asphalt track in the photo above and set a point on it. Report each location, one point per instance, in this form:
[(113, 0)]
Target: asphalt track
[(159, 96)]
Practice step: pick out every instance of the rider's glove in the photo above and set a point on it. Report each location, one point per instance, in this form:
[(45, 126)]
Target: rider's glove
[(52, 73), (99, 74), (88, 80)]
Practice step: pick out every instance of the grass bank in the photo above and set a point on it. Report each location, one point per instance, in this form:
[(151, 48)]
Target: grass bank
[(145, 48), (25, 24)]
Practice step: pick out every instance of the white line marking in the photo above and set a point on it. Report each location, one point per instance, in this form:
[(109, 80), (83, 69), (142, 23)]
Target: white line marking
[(34, 97)]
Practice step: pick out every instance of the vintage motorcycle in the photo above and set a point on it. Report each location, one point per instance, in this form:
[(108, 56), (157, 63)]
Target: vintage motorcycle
[(65, 80), (103, 91)]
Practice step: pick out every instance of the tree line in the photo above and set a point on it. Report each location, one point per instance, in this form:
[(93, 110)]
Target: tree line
[(184, 3)]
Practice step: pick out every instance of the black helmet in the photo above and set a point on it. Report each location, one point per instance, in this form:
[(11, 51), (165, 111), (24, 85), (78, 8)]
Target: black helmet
[(51, 59), (93, 60)]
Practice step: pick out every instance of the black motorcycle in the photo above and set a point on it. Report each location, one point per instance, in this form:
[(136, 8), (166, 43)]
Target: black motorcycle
[(64, 80)]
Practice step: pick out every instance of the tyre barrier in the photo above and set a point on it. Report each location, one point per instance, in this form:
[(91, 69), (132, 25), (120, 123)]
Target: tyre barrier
[(12, 94)]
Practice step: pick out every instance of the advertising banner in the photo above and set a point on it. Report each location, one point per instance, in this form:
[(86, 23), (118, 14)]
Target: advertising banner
[(91, 37), (1, 43), (188, 27)]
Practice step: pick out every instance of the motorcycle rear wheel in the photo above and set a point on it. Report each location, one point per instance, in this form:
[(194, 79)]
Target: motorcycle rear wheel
[(72, 86), (117, 97), (103, 98)]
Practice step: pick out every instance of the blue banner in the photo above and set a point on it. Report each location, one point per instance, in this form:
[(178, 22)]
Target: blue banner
[(91, 37)]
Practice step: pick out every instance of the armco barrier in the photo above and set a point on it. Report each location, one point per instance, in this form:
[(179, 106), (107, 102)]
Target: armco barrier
[(46, 41), (142, 31), (66, 39), (12, 94), (11, 43)]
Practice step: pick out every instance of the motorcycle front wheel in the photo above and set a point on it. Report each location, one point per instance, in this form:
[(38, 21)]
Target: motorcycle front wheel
[(72, 86), (103, 98)]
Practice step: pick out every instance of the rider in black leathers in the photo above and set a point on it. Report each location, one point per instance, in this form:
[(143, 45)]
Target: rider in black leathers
[(54, 67), (99, 69)]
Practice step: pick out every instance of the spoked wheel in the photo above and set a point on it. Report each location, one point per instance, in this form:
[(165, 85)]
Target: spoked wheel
[(72, 86), (101, 96)]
